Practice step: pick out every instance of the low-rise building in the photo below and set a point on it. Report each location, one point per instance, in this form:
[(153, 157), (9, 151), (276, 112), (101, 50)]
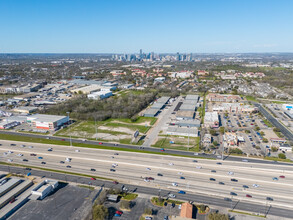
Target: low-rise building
[(184, 115), (214, 97), (182, 131), (44, 188), (100, 95), (25, 109), (230, 139), (207, 139), (211, 119), (48, 122)]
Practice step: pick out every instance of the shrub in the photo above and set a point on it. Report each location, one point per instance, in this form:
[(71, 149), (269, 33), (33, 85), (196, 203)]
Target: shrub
[(274, 149), (148, 211), (265, 140), (282, 156), (124, 204), (235, 151), (217, 216), (100, 212)]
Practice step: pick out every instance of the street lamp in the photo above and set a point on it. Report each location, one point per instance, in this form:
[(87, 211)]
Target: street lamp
[(69, 132)]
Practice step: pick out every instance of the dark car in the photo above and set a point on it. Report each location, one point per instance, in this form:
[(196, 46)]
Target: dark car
[(227, 199), (245, 186), (270, 199), (62, 161), (68, 166), (182, 192), (195, 161), (212, 179), (182, 177), (213, 171), (159, 174), (43, 162), (221, 183), (25, 160), (116, 154), (233, 194), (219, 163), (115, 182), (234, 180), (112, 170), (28, 168), (93, 169)]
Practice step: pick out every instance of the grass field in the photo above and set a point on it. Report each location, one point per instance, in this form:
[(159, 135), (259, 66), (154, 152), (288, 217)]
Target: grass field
[(179, 143), (250, 98)]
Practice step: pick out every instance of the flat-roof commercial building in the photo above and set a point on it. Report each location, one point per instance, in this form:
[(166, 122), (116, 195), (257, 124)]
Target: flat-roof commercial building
[(86, 89), (192, 97), (188, 123), (163, 99), (184, 115), (211, 119), (151, 112), (158, 105), (44, 188), (100, 95), (25, 109), (8, 185), (180, 131), (48, 122), (188, 107)]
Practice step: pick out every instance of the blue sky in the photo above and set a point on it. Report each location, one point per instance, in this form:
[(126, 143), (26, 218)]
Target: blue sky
[(124, 26)]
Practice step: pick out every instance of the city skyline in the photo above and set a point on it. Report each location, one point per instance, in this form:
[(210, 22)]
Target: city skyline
[(162, 26)]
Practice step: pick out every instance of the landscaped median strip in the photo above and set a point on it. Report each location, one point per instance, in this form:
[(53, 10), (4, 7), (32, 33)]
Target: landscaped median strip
[(247, 213), (57, 142), (55, 171)]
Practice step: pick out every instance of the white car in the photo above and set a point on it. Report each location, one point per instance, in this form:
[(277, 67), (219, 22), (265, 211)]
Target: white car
[(244, 160), (198, 167), (148, 168), (114, 164), (20, 155), (231, 173), (255, 185), (9, 160), (10, 152), (174, 184), (30, 147), (195, 154), (4, 154), (171, 164), (77, 151), (171, 196), (22, 145), (146, 180), (180, 173)]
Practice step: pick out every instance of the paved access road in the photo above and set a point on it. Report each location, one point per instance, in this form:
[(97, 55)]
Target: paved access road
[(150, 149), (274, 121), (189, 175), (199, 198)]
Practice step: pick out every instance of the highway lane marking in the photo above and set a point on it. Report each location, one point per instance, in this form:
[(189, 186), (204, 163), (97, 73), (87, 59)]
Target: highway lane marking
[(154, 167)]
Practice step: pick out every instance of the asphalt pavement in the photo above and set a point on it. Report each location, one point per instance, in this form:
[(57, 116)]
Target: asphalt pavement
[(209, 200), (139, 148)]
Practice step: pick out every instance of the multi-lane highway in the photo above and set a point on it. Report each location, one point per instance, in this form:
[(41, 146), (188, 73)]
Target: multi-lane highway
[(193, 177), (150, 149)]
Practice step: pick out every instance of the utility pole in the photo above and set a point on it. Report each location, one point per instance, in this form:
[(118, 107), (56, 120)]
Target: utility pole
[(96, 128), (69, 132)]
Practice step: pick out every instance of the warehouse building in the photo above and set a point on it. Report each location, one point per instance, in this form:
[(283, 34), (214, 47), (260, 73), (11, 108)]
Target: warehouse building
[(211, 119), (180, 131), (188, 123), (48, 122), (187, 107), (25, 109), (44, 188), (184, 115), (100, 95), (151, 112), (192, 97), (163, 99)]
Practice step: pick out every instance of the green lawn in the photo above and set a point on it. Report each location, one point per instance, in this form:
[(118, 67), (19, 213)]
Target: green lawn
[(180, 144), (250, 98), (129, 196), (267, 122), (155, 201)]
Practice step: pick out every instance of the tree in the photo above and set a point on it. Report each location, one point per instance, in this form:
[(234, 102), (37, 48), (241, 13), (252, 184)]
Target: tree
[(262, 133), (217, 216), (222, 130), (213, 132), (247, 131), (100, 212), (276, 130), (282, 156), (257, 128), (215, 143), (124, 204), (265, 140), (202, 208), (274, 149), (148, 211)]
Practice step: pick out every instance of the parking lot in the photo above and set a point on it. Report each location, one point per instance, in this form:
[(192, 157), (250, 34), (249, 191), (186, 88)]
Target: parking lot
[(138, 207), (65, 203)]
